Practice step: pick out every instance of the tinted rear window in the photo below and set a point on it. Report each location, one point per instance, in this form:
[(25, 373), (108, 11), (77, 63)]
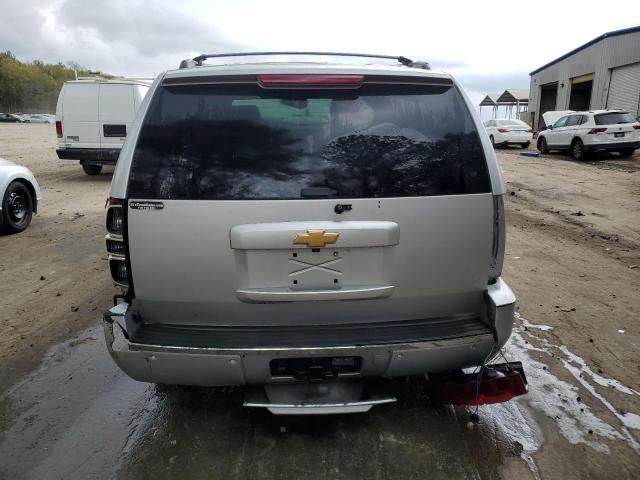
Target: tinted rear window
[(614, 118), (246, 142)]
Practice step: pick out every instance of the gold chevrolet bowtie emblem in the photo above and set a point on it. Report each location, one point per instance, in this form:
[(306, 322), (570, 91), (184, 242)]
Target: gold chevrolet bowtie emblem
[(316, 238)]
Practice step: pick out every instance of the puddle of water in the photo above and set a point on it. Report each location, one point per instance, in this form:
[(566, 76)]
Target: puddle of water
[(74, 414), (559, 399), (526, 323)]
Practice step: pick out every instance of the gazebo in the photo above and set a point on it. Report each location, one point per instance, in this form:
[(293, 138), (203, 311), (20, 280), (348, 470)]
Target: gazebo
[(514, 98), (491, 100)]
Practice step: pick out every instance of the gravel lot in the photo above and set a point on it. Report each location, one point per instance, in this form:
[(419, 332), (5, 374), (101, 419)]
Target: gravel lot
[(572, 257)]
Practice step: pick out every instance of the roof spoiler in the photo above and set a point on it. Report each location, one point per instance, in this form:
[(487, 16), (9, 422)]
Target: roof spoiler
[(197, 61)]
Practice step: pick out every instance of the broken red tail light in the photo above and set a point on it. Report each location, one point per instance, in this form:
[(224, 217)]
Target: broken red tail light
[(499, 383), (59, 128), (304, 80), (503, 130), (596, 130)]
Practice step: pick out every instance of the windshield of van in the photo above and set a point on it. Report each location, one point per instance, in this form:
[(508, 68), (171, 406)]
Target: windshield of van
[(245, 142)]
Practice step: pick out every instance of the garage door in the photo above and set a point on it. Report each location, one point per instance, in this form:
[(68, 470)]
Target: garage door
[(624, 88)]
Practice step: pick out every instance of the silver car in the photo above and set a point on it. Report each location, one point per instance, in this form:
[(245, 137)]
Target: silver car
[(304, 229)]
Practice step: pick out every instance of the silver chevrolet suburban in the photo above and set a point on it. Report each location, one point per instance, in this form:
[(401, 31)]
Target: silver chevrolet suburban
[(304, 228)]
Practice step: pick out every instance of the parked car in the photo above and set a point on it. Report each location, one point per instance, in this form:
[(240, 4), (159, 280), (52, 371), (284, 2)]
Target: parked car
[(506, 131), (302, 228), (581, 133), (93, 117), (10, 118), (39, 118), (20, 194)]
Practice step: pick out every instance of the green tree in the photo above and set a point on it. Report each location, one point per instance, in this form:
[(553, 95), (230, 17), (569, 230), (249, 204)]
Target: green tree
[(32, 87)]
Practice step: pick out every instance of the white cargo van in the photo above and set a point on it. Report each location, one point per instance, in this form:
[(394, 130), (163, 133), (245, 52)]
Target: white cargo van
[(93, 116)]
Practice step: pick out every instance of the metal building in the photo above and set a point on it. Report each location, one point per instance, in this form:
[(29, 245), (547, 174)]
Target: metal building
[(601, 74)]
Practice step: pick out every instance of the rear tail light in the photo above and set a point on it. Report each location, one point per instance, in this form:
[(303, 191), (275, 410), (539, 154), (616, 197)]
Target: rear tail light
[(119, 271), (637, 127), (59, 128), (596, 130), (499, 238), (295, 80), (503, 130), (115, 245), (115, 216), (530, 130), (497, 383), (116, 242)]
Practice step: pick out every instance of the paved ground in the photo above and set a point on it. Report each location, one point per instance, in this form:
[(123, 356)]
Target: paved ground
[(67, 412)]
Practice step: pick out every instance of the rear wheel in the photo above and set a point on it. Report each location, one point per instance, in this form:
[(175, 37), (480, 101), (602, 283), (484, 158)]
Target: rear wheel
[(92, 169), (542, 145), (17, 208), (626, 152), (493, 143), (577, 149), (525, 145)]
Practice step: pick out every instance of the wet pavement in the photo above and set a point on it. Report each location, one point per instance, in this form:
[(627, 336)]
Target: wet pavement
[(78, 416)]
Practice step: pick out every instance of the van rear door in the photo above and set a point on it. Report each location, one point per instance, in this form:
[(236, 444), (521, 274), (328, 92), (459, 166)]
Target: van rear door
[(79, 115), (273, 201), (116, 113)]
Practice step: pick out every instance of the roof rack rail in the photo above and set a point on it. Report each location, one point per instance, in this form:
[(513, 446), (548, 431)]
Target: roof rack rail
[(197, 61)]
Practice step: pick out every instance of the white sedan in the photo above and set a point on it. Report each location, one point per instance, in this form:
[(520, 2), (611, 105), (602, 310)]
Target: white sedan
[(20, 195), (505, 131)]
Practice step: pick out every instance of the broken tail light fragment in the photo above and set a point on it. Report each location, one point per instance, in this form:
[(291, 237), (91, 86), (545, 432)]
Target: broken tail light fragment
[(306, 80), (499, 383)]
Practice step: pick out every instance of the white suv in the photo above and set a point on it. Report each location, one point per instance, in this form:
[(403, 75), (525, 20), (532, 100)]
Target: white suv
[(581, 133)]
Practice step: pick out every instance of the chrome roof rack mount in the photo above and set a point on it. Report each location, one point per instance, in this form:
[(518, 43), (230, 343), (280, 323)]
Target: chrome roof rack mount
[(197, 61)]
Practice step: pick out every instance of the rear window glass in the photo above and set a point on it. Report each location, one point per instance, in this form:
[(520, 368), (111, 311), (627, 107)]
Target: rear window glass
[(518, 123), (246, 142), (614, 118)]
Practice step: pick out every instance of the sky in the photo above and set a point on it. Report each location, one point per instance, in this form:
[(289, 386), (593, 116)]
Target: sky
[(489, 46)]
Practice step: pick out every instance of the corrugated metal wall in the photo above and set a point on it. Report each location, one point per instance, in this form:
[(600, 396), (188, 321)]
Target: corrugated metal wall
[(599, 59)]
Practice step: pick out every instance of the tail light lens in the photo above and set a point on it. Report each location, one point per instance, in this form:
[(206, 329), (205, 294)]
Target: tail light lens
[(119, 271), (59, 128), (636, 127), (116, 242), (503, 130), (115, 245), (499, 239), (530, 130), (115, 216), (596, 130)]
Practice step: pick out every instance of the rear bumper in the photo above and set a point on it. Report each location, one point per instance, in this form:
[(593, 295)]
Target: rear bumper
[(95, 156), (385, 351), (518, 139), (611, 147)]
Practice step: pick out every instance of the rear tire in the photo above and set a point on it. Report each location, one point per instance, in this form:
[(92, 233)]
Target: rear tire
[(493, 143), (542, 145), (92, 169), (626, 152), (17, 208), (525, 145), (577, 149)]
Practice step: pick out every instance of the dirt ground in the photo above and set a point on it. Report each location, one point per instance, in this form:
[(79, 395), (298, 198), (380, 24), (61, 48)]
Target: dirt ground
[(572, 259)]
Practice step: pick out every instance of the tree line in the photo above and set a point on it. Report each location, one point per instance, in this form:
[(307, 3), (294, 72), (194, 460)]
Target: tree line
[(33, 87)]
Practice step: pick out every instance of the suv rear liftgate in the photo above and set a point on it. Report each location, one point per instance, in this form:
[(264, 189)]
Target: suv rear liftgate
[(307, 232)]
